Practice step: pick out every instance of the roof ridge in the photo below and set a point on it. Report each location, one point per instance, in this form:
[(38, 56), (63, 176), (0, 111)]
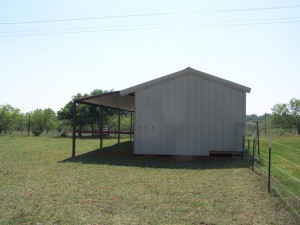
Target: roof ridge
[(183, 73)]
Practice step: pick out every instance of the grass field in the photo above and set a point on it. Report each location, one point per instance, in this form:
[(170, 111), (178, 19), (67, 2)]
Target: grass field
[(285, 167), (40, 184)]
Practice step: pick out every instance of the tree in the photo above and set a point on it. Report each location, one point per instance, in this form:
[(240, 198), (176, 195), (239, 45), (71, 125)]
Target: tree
[(43, 120), (21, 122), (66, 113), (8, 118), (50, 120), (87, 116), (287, 116), (37, 122)]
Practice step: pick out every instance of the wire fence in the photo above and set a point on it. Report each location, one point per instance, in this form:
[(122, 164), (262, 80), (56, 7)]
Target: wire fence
[(281, 172)]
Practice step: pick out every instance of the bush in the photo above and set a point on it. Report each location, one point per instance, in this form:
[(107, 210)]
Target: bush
[(37, 131)]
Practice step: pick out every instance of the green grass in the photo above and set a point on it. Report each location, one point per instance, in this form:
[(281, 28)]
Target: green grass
[(285, 160), (40, 184)]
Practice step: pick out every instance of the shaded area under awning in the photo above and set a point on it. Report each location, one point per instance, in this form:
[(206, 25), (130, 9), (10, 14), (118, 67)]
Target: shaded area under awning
[(111, 100)]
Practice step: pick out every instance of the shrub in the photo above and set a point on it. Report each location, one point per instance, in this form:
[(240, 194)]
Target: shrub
[(37, 131)]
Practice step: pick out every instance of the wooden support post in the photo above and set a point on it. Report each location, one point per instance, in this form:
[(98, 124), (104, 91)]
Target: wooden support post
[(101, 128), (28, 128), (74, 130), (130, 126), (119, 125)]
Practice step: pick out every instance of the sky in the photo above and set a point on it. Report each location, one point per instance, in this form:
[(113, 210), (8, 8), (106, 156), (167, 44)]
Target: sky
[(52, 50)]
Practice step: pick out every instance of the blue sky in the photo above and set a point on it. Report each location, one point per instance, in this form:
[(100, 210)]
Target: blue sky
[(43, 64)]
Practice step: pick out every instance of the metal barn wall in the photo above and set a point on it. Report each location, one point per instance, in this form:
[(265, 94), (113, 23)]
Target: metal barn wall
[(188, 116)]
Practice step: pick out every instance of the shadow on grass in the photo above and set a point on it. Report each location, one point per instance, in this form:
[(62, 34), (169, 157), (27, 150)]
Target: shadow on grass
[(122, 155)]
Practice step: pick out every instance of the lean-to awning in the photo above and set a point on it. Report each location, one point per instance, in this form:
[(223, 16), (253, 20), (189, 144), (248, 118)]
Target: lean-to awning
[(111, 99)]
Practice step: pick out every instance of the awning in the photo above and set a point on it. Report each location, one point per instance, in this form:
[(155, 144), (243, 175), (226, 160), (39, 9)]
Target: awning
[(111, 100)]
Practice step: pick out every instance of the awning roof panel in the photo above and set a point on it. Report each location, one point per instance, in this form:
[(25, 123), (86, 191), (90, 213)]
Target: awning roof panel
[(111, 99)]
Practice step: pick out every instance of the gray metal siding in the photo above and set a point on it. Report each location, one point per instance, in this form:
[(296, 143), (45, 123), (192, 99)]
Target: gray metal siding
[(188, 115)]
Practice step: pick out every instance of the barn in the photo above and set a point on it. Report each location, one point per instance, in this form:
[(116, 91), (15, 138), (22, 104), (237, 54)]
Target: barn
[(188, 112)]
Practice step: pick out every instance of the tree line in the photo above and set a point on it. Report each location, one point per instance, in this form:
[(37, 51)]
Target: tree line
[(285, 117), (42, 121)]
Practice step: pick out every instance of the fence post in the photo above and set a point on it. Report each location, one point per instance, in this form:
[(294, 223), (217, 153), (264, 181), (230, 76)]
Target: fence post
[(28, 125), (248, 148), (257, 133), (269, 171), (265, 124)]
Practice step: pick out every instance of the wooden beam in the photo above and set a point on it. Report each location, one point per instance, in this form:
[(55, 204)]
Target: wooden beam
[(119, 125), (130, 126), (74, 130), (101, 128)]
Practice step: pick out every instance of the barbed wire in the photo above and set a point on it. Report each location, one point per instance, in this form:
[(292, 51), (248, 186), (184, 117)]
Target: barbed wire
[(273, 142), (266, 172), (279, 168), (285, 188), (285, 159), (263, 158), (286, 146), (286, 173), (286, 202)]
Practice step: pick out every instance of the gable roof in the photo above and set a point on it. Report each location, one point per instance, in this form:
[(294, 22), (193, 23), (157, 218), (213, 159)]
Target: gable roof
[(184, 72), (125, 99)]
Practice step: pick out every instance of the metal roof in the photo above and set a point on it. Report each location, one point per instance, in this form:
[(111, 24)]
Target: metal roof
[(182, 73), (124, 99), (111, 100)]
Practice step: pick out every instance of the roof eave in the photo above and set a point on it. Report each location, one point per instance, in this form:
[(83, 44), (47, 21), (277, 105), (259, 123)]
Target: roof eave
[(111, 100), (82, 100)]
